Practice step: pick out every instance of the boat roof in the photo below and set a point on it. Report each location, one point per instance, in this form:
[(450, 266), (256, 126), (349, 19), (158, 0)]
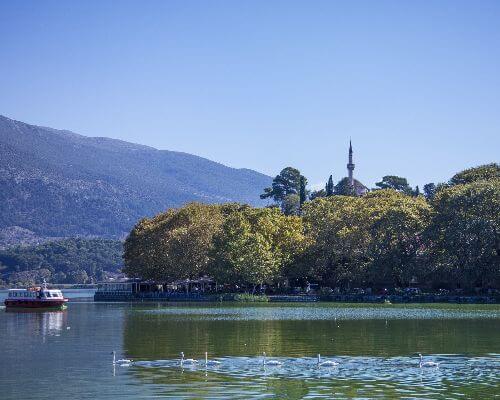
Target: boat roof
[(29, 289)]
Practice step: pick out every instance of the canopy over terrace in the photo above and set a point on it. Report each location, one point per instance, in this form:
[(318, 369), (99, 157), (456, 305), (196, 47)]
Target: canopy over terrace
[(137, 286)]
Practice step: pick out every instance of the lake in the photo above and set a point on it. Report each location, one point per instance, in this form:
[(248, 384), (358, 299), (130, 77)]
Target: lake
[(67, 354)]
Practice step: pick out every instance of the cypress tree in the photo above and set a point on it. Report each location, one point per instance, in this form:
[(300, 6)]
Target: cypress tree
[(329, 186), (303, 194)]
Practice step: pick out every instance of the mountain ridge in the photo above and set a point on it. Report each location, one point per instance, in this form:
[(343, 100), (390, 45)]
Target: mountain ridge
[(57, 183)]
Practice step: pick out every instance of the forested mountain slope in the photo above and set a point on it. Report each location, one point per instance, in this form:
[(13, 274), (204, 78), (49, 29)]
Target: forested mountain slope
[(56, 183)]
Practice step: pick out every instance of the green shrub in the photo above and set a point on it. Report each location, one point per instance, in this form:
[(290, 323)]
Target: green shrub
[(251, 298)]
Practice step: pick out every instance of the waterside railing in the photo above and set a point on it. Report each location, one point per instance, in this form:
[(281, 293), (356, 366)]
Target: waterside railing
[(341, 298)]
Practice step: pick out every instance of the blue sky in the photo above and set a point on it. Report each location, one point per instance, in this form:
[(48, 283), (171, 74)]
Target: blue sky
[(266, 84)]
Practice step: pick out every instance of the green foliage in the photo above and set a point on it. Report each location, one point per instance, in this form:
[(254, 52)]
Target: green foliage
[(369, 240), (288, 189), (291, 205), (429, 191), (317, 194), (250, 298), (329, 188), (465, 234), (483, 172), (394, 182), (344, 188), (303, 190), (175, 244), (65, 261), (254, 246), (386, 238)]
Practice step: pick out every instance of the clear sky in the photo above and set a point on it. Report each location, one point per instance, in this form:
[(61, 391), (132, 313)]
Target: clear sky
[(266, 84)]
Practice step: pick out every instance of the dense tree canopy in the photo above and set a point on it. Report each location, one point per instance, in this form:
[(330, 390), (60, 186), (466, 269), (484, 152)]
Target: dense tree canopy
[(484, 172), (175, 244), (371, 240), (385, 238), (65, 261), (465, 234), (254, 246), (235, 244)]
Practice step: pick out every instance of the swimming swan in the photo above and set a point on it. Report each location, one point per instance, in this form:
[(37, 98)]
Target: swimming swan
[(189, 361), (423, 364), (327, 363), (270, 362), (123, 361), (210, 362)]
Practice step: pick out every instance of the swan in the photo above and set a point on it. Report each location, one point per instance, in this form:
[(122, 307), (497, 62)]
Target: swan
[(123, 361), (189, 361), (270, 362), (327, 363), (423, 364), (210, 362)]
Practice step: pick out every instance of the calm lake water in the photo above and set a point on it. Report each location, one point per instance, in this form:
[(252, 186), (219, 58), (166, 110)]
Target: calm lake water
[(47, 355)]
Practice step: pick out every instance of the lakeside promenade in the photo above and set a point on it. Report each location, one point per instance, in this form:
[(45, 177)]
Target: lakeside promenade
[(340, 298)]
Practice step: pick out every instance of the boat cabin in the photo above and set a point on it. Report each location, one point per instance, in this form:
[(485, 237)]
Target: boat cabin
[(35, 293)]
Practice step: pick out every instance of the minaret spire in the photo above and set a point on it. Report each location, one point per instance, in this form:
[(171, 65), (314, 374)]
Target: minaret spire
[(350, 165)]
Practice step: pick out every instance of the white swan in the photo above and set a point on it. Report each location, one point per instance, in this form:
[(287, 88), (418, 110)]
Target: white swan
[(123, 361), (328, 363), (430, 364), (189, 361), (274, 363), (210, 362)]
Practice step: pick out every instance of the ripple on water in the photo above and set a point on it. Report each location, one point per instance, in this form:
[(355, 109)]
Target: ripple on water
[(319, 312), (373, 372)]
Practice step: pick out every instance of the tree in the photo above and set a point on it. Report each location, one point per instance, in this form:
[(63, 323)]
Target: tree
[(254, 246), (54, 260), (175, 244), (329, 188), (338, 237), (344, 188), (429, 191), (288, 183), (397, 225), (78, 276), (303, 190), (370, 240), (394, 182), (464, 237), (416, 192), (483, 172), (317, 193), (291, 205)]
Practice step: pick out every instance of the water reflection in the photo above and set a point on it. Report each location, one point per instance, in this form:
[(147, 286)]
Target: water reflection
[(377, 356), (39, 322), (376, 347), (166, 332)]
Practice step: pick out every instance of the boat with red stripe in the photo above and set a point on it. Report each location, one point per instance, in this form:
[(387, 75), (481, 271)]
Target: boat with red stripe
[(35, 297)]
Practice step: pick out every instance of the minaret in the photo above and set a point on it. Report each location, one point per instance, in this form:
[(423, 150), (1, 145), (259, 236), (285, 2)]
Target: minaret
[(350, 166)]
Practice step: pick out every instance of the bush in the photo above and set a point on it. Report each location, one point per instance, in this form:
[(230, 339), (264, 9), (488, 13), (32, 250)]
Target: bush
[(251, 298)]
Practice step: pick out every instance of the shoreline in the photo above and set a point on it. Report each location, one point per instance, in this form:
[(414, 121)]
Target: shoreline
[(223, 298)]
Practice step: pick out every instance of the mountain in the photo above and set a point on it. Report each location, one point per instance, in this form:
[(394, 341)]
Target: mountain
[(56, 183)]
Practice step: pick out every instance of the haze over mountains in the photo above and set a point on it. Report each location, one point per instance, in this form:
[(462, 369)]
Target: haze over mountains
[(56, 183)]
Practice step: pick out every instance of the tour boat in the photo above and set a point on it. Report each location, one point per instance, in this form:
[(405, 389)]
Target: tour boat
[(35, 297)]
